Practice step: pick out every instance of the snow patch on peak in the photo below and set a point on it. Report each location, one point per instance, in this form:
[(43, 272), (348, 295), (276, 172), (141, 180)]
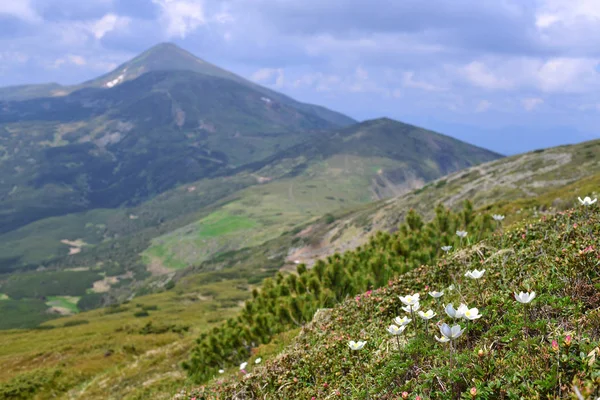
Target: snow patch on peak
[(266, 99), (117, 80)]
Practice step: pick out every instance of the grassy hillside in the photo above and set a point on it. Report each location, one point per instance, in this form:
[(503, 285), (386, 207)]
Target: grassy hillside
[(255, 203), (336, 170), (543, 179), (544, 349), (198, 295), (124, 351)]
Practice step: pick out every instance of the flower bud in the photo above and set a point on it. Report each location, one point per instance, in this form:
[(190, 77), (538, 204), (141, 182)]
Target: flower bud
[(480, 353), (473, 392), (568, 341), (405, 395), (555, 345)]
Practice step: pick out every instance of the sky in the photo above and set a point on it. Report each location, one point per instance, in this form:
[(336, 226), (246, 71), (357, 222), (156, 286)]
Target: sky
[(509, 75)]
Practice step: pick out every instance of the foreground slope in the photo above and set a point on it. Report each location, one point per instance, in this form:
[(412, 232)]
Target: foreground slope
[(150, 368), (547, 348)]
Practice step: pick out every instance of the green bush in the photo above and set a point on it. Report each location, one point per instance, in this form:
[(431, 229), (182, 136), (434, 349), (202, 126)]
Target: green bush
[(38, 285), (140, 314), (76, 323)]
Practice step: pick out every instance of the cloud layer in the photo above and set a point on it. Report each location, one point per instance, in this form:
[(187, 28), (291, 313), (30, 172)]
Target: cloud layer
[(482, 63)]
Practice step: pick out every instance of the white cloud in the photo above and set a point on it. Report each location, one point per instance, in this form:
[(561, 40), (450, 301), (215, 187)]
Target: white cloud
[(77, 60), (567, 75), (551, 75), (410, 81), (181, 17), (270, 76), (483, 105), (12, 56), (106, 24), (480, 75), (568, 13), (545, 20), (531, 102), (19, 8)]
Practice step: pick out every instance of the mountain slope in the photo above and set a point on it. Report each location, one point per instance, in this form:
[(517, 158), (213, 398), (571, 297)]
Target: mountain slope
[(524, 176), (108, 147), (154, 373), (546, 348), (167, 57), (333, 170)]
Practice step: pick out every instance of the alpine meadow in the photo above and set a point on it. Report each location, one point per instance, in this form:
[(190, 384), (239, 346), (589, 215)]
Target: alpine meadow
[(171, 229)]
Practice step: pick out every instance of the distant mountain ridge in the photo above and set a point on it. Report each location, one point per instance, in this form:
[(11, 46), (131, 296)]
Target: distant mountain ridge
[(164, 57)]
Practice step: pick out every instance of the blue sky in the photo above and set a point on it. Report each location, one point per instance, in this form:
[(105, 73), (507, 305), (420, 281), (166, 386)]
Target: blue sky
[(511, 75)]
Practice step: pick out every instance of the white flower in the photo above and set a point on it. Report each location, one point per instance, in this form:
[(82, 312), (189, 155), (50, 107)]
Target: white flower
[(462, 309), (258, 360), (498, 217), (446, 248), (410, 300), (413, 308), (356, 345), (451, 332), (427, 315), (221, 371), (436, 295), (461, 234), (443, 339), (243, 365), (402, 321), (471, 314), (475, 274), (587, 201), (396, 330), (456, 313), (524, 297)]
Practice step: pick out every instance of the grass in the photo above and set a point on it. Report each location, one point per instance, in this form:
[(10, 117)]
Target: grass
[(268, 210), (507, 353), (103, 346), (23, 314), (66, 302), (507, 185)]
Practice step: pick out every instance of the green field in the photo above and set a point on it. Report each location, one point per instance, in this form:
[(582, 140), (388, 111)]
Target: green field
[(263, 212), (66, 302)]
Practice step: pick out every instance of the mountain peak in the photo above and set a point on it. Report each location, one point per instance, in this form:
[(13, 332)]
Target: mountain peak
[(165, 56)]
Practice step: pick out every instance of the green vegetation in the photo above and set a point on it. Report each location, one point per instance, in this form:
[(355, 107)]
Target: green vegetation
[(138, 356), (513, 185), (291, 300), (65, 302), (544, 349), (21, 314), (51, 283)]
